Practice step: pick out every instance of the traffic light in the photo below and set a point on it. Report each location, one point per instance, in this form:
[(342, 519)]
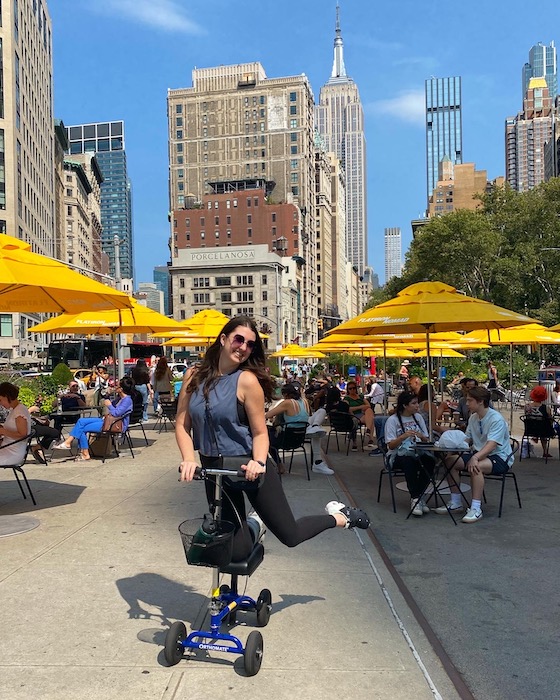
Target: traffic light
[(320, 324)]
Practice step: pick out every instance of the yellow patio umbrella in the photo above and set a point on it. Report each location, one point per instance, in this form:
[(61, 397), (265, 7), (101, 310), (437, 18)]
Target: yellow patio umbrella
[(187, 342), (431, 307), (294, 350), (137, 319), (530, 334), (33, 283), (439, 352)]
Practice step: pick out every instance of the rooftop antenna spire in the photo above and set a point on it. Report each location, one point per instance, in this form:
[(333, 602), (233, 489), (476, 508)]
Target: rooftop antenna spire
[(338, 69)]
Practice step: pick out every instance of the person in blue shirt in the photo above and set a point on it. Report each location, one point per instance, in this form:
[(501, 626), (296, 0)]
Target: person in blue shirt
[(488, 433)]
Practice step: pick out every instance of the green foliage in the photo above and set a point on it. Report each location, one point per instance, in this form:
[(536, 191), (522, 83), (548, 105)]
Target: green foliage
[(62, 374), (31, 394), (272, 364)]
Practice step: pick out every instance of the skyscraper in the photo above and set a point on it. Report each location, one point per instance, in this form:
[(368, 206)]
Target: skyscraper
[(27, 175), (393, 253), (444, 133), (541, 64), (106, 140), (526, 136), (339, 118), (233, 128)]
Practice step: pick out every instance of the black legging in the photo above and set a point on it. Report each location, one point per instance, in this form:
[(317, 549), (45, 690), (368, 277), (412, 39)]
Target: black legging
[(269, 500), (46, 433), (417, 471)]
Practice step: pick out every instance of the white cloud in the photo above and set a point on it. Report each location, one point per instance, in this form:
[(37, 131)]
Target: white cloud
[(166, 15), (408, 106)]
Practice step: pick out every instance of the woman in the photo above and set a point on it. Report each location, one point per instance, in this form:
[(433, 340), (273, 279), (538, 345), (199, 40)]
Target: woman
[(101, 385), (15, 428), (292, 409), (424, 410), (161, 382), (361, 409), (222, 405), (556, 397), (492, 374), (537, 408), (122, 406), (141, 377), (402, 430)]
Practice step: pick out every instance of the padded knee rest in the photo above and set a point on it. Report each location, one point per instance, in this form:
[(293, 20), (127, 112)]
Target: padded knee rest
[(247, 566)]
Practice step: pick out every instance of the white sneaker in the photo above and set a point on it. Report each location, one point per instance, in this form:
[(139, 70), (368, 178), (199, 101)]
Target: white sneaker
[(416, 507), (256, 525), (472, 515), (322, 468), (449, 508), (425, 508)]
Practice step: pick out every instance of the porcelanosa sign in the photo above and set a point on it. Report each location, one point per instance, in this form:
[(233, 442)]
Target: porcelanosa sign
[(221, 255)]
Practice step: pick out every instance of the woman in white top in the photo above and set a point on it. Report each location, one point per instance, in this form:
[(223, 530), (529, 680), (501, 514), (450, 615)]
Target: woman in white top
[(16, 426), (404, 428)]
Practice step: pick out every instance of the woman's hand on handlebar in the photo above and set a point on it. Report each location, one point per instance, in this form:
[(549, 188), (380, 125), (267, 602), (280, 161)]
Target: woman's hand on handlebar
[(187, 469), (253, 470)]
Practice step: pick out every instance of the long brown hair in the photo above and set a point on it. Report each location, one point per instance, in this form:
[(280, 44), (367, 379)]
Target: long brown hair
[(161, 368), (208, 373)]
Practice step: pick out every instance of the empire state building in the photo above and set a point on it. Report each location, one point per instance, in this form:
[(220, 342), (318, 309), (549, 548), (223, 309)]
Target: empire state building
[(339, 118)]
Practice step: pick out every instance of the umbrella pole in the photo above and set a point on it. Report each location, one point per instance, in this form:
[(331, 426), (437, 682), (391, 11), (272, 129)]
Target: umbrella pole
[(385, 394), (429, 382), (510, 387)]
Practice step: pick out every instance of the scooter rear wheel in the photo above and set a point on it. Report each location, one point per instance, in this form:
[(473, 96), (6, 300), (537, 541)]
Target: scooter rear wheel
[(252, 657), (174, 650)]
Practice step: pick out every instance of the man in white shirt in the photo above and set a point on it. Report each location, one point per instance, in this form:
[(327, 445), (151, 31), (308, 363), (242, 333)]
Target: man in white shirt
[(488, 433)]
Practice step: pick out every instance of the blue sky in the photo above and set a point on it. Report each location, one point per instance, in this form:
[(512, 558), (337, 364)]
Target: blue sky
[(115, 59)]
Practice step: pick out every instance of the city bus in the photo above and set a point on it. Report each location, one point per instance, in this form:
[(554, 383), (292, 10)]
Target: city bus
[(86, 353)]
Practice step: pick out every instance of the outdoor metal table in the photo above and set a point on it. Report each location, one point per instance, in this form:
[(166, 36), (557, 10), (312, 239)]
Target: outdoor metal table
[(436, 484)]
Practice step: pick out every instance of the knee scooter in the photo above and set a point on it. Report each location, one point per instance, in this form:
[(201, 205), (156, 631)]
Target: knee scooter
[(214, 550)]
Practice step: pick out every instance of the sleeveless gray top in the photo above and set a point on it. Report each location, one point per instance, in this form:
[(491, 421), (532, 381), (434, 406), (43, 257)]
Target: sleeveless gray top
[(231, 434)]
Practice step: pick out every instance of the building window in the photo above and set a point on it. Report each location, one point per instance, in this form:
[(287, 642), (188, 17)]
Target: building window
[(6, 326), (248, 201), (182, 282), (293, 150), (293, 96), (179, 134), (226, 296), (265, 296), (293, 136), (202, 298), (217, 220), (217, 234), (249, 219), (179, 109), (293, 123), (295, 191), (182, 315), (179, 121), (293, 109), (265, 311), (235, 203), (223, 281), (182, 299), (203, 235), (69, 192), (228, 220), (264, 279), (244, 280), (249, 233), (200, 282), (244, 296), (294, 177)]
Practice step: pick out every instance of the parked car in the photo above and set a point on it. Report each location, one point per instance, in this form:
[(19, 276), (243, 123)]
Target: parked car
[(178, 369)]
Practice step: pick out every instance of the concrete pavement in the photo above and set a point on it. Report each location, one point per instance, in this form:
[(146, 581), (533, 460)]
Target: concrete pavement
[(88, 595)]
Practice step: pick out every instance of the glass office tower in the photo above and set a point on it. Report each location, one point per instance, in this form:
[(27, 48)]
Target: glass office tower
[(444, 133), (106, 140), (542, 64)]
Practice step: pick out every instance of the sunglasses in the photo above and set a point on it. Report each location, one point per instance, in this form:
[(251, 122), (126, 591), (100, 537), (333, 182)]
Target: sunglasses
[(238, 340), (351, 386)]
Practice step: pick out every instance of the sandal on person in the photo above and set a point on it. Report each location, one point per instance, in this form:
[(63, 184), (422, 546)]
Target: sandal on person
[(81, 458), (60, 446), (38, 454)]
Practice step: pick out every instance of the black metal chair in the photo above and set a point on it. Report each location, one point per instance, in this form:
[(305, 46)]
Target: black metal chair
[(388, 470), (537, 427), (110, 438), (510, 474), (293, 438), (136, 421), (167, 415), (344, 424), (18, 466)]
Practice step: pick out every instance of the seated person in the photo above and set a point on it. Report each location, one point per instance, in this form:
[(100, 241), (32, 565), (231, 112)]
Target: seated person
[(119, 407), (71, 400), (341, 385), (292, 409), (405, 425), (488, 433), (361, 410), (464, 413), (316, 391), (414, 384), (556, 397), (424, 409), (16, 426), (538, 409), (375, 395), (44, 433), (335, 404)]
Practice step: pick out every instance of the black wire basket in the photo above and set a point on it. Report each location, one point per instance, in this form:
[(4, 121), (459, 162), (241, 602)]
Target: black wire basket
[(202, 549)]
